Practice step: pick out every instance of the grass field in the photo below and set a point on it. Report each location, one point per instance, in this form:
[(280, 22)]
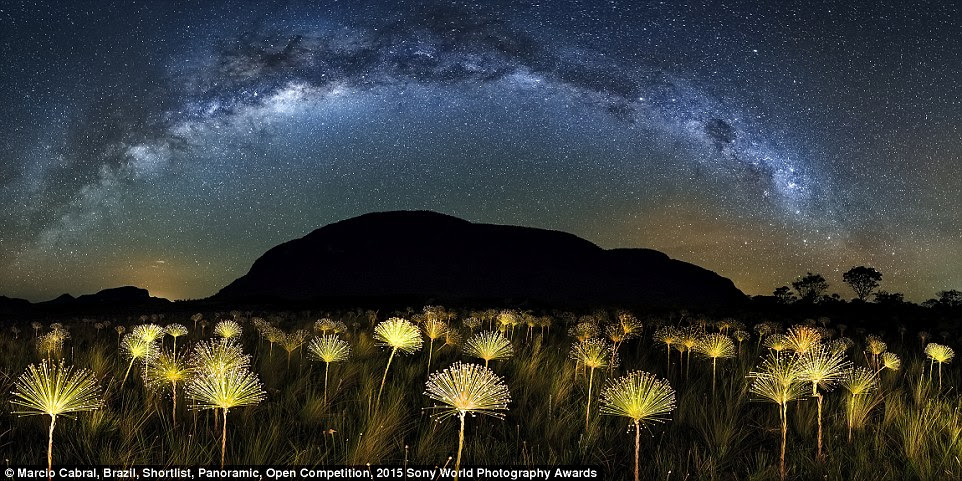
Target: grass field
[(904, 425)]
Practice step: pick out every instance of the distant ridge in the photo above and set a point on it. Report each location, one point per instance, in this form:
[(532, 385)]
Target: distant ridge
[(12, 304), (422, 255), (126, 297)]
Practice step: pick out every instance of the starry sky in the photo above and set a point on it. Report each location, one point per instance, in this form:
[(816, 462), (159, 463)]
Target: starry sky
[(168, 144)]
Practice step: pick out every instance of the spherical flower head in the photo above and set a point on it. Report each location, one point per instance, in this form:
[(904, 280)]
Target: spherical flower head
[(489, 345), (615, 333), (688, 337), (59, 331), (725, 324), (228, 329), (218, 357), (639, 396), (668, 335), (593, 353), (56, 389), (891, 361), (50, 344), (148, 332), (452, 337), (715, 346), (134, 346), (741, 336), (400, 334), (472, 322), (859, 381), (777, 380), (822, 367), (176, 330), (939, 353), (508, 318), (434, 328), (167, 369), (468, 388), (875, 345), (584, 330), (803, 338), (776, 342), (329, 348), (763, 329), (841, 344), (225, 390), (294, 340), (273, 334), (630, 325), (324, 325)]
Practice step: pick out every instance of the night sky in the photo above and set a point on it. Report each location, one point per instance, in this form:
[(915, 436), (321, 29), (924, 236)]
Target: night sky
[(169, 144)]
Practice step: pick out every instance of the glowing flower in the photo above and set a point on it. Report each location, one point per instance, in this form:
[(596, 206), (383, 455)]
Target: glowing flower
[(641, 397), (168, 370), (329, 348), (467, 388), (592, 353), (55, 390), (228, 330), (400, 335), (489, 345), (224, 391)]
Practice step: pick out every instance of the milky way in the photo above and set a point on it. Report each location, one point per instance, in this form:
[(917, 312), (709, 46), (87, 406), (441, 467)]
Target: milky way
[(172, 148)]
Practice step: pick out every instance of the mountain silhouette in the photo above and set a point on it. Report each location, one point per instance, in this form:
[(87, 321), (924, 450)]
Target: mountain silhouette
[(126, 299), (12, 304), (422, 255)]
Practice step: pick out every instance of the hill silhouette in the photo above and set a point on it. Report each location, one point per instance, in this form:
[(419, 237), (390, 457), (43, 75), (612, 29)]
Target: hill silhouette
[(421, 255)]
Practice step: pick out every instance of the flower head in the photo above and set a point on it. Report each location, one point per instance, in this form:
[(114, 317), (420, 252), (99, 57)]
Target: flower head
[(639, 396), (218, 357), (939, 353), (168, 368), (176, 330), (56, 389), (136, 346), (225, 390), (777, 380), (148, 332), (468, 388), (803, 338), (891, 361), (329, 348), (875, 345), (715, 346), (822, 367), (489, 345), (399, 334), (593, 353), (858, 381), (228, 329)]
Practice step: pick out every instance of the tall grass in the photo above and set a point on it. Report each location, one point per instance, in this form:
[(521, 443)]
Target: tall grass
[(906, 428)]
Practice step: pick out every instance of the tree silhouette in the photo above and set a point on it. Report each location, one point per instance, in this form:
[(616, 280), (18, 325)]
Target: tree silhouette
[(863, 280), (784, 295), (810, 287), (952, 298), (885, 297)]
